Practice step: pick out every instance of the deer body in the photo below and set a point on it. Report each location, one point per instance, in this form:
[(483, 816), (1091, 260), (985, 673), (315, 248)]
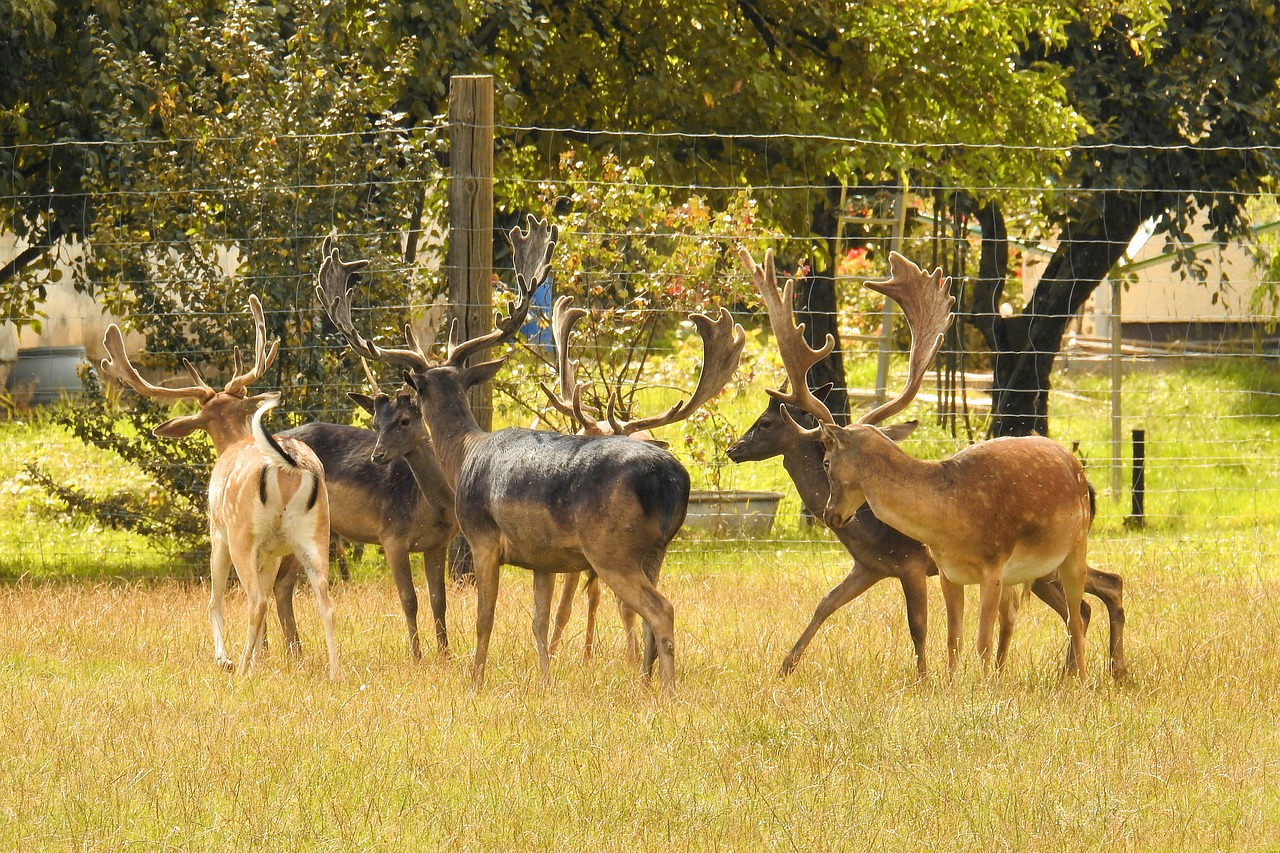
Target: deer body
[(267, 498), (556, 503), (999, 513), (881, 552), (265, 501), (404, 505), (552, 503)]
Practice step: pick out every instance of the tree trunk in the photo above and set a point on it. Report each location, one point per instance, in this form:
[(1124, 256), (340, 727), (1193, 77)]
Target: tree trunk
[(1025, 347), (816, 308)]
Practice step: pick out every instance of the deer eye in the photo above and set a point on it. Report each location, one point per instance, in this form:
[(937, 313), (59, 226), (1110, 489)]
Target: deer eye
[(826, 464)]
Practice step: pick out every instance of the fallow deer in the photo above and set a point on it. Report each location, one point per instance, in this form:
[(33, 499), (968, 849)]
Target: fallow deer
[(998, 513), (398, 501), (880, 552), (722, 344), (267, 497), (541, 500)]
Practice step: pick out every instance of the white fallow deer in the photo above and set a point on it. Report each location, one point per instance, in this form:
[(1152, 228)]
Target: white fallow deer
[(722, 343), (997, 514), (545, 501), (267, 496)]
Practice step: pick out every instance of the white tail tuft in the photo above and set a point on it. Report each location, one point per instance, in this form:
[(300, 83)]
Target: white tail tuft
[(271, 449)]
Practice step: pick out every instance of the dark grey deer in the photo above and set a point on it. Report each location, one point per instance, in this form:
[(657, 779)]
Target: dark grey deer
[(722, 343), (400, 502), (881, 553), (545, 501)]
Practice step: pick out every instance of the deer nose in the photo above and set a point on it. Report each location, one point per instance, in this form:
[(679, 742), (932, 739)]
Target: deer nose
[(834, 519), (379, 456), (734, 451)]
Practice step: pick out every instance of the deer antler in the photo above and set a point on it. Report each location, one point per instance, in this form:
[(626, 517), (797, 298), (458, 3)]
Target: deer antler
[(532, 252), (926, 302), (722, 343), (797, 355), (263, 356), (569, 401), (334, 295), (118, 367)]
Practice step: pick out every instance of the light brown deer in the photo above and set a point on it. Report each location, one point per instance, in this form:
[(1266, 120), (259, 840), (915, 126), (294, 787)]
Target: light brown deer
[(997, 514), (722, 343), (267, 497), (545, 501)]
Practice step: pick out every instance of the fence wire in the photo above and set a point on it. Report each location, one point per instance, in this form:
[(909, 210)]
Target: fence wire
[(1176, 350)]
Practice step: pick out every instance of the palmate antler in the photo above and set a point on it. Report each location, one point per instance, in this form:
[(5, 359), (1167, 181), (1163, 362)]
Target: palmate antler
[(532, 251), (118, 366), (722, 343), (926, 302), (797, 355)]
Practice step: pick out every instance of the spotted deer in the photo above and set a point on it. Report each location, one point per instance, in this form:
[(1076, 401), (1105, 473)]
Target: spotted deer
[(997, 514), (267, 496), (880, 552)]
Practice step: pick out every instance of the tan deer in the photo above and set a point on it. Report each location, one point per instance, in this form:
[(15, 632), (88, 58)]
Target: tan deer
[(546, 501), (267, 496), (997, 514), (722, 343)]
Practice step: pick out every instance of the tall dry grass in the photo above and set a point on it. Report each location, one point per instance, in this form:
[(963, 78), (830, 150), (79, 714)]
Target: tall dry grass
[(116, 730)]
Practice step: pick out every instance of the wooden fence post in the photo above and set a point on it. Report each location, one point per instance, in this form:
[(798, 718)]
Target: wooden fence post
[(470, 262)]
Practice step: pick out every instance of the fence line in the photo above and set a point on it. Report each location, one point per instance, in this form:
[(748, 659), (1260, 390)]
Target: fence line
[(1210, 406)]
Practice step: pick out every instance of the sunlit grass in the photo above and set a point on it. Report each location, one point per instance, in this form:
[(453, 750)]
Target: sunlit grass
[(116, 729)]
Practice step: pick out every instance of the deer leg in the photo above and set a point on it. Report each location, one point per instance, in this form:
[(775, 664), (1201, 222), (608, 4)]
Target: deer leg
[(1072, 575), (1049, 590), (219, 573), (340, 552), (248, 569), (1109, 588), (628, 617), (858, 581), (286, 580), (485, 562), (915, 593), (991, 592), (564, 609), (1009, 601), (636, 590), (433, 566), (543, 586), (315, 562), (593, 606), (953, 598), (397, 553)]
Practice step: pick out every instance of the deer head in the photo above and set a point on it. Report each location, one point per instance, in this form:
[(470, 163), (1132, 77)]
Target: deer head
[(225, 415)]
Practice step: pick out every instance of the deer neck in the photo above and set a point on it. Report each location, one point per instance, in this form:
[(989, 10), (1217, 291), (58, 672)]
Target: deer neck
[(803, 463), (904, 492), (427, 473), (224, 435), (454, 432)]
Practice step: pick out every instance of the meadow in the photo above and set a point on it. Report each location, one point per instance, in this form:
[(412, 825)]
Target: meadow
[(117, 730)]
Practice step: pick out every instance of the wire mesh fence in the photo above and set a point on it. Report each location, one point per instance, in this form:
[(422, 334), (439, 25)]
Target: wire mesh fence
[(1166, 376)]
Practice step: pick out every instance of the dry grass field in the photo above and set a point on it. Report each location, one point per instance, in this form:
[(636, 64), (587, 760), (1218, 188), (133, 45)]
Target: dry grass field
[(116, 729)]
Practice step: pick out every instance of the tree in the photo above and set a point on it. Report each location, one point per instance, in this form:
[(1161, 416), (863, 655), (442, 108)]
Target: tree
[(1191, 126), (768, 94)]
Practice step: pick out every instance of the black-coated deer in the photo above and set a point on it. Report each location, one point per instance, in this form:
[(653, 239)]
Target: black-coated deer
[(998, 513), (722, 343), (880, 552), (399, 501), (267, 497), (545, 501)]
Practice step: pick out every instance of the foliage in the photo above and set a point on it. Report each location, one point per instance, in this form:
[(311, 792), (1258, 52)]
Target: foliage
[(174, 510), (641, 259)]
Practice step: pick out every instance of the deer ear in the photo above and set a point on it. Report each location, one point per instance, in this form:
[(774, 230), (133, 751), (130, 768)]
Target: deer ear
[(364, 401), (483, 372), (898, 432), (179, 427)]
